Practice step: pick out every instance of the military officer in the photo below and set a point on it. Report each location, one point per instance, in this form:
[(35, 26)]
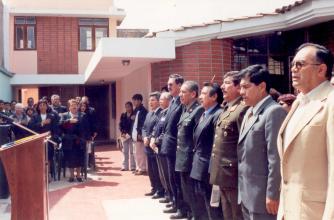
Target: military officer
[(185, 144), (224, 161)]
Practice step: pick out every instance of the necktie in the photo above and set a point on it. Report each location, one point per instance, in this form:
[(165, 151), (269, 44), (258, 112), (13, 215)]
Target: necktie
[(247, 118)]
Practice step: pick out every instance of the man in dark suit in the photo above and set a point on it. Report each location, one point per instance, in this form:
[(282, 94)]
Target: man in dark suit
[(211, 98), (169, 134), (151, 120), (140, 113), (56, 105), (155, 144), (185, 144), (258, 159), (224, 160)]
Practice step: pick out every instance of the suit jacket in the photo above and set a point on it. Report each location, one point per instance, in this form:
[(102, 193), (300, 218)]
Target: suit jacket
[(158, 128), (203, 139), (224, 159), (76, 134), (151, 120), (169, 134), (141, 119), (258, 161), (185, 142), (36, 120), (307, 163)]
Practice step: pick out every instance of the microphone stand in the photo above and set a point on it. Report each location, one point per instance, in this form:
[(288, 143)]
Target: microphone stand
[(11, 121)]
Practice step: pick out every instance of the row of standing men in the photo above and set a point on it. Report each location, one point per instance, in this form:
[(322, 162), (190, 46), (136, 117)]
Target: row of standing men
[(214, 160)]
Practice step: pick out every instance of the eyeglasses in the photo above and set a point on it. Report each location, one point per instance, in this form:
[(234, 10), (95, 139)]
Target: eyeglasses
[(299, 64)]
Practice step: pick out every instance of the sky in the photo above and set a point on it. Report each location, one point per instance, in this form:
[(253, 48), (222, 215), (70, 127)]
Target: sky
[(158, 15)]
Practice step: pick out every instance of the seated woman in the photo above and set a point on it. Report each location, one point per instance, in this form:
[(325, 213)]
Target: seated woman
[(75, 133)]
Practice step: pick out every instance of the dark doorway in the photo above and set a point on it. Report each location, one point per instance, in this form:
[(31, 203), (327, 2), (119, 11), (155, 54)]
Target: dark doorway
[(99, 99)]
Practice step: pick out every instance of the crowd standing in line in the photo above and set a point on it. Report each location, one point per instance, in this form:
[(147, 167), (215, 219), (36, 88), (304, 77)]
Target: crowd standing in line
[(231, 152), (72, 130)]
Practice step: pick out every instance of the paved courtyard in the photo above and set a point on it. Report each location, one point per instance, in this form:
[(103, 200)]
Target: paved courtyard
[(108, 194)]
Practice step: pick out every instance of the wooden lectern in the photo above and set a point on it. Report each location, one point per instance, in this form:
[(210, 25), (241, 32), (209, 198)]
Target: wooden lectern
[(25, 166)]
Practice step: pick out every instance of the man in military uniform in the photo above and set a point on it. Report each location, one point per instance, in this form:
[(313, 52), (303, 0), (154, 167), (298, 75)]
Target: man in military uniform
[(211, 98), (185, 144), (224, 161)]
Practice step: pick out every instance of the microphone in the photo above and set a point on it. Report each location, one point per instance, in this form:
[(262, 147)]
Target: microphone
[(8, 119)]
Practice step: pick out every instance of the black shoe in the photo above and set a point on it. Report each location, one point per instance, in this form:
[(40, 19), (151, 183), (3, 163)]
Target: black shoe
[(157, 196), (71, 180), (150, 193), (169, 205), (124, 169), (79, 179), (178, 215), (172, 210), (164, 200)]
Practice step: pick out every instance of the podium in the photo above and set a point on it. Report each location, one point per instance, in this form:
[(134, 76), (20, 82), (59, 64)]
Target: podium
[(25, 166)]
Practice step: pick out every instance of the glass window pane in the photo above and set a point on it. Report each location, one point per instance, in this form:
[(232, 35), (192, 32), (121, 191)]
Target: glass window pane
[(31, 20), (101, 22), (86, 38), (99, 33), (31, 37), (19, 41), (20, 20), (86, 21)]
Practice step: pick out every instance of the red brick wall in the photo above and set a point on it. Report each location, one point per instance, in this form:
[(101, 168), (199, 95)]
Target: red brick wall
[(199, 61), (57, 45)]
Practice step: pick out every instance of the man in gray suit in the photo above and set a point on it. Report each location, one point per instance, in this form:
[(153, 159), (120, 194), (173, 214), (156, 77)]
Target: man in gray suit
[(258, 160)]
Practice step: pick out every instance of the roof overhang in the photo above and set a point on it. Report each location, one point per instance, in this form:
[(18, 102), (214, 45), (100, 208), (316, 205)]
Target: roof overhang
[(47, 79), (115, 58), (118, 14), (307, 14)]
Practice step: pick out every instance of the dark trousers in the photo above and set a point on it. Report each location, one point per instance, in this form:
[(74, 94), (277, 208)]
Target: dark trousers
[(231, 208), (163, 173), (256, 216), (153, 173), (189, 197), (203, 193), (175, 184)]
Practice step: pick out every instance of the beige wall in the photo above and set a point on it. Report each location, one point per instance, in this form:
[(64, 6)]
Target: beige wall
[(136, 82), (62, 4), (83, 60), (112, 27), (21, 61), (29, 92)]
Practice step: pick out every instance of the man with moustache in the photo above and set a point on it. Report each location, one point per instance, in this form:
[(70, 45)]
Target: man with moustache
[(224, 160), (185, 145), (152, 167), (211, 98), (306, 140), (169, 142), (258, 161)]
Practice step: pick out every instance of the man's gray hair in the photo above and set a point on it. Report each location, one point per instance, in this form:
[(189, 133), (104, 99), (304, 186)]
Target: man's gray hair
[(19, 106), (54, 96), (192, 86), (166, 95)]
